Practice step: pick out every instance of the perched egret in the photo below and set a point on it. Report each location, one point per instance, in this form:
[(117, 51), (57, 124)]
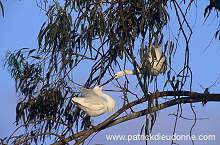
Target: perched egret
[(156, 60), (92, 103)]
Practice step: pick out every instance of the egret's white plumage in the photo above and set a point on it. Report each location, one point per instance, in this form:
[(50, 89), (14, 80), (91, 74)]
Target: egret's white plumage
[(155, 58), (92, 103), (125, 72)]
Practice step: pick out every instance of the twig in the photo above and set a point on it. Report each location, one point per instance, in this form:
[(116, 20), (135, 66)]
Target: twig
[(41, 133), (62, 138)]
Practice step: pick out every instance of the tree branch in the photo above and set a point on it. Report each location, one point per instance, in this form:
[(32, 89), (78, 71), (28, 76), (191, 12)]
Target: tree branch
[(111, 121), (63, 140), (162, 106)]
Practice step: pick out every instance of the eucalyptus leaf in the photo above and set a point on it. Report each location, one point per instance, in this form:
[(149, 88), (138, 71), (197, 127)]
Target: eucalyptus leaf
[(2, 8)]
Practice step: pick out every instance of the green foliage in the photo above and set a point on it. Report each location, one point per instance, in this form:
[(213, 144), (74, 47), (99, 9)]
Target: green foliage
[(120, 23), (26, 75)]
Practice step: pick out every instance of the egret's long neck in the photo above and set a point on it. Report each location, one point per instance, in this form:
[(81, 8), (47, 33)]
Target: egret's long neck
[(127, 72), (132, 72), (110, 102)]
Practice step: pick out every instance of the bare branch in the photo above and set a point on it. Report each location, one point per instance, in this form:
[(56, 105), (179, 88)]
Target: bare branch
[(160, 107), (63, 140)]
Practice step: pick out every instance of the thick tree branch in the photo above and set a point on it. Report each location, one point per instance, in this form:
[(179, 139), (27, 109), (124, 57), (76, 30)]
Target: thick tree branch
[(163, 106), (111, 121)]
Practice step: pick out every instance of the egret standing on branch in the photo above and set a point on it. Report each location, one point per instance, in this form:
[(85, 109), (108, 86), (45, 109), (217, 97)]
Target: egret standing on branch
[(92, 103), (155, 61)]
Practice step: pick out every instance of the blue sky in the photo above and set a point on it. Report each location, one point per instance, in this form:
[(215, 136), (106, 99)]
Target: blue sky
[(20, 26)]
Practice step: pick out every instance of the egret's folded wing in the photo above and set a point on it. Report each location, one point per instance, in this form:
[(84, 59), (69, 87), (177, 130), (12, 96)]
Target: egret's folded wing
[(83, 104)]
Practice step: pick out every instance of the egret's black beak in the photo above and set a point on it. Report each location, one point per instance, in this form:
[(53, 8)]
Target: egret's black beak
[(107, 81)]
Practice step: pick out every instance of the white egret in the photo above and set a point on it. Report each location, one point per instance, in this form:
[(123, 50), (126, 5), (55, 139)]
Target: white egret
[(92, 103), (156, 64), (157, 61)]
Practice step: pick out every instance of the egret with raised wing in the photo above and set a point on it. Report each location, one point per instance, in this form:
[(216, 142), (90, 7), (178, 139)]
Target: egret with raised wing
[(92, 103)]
